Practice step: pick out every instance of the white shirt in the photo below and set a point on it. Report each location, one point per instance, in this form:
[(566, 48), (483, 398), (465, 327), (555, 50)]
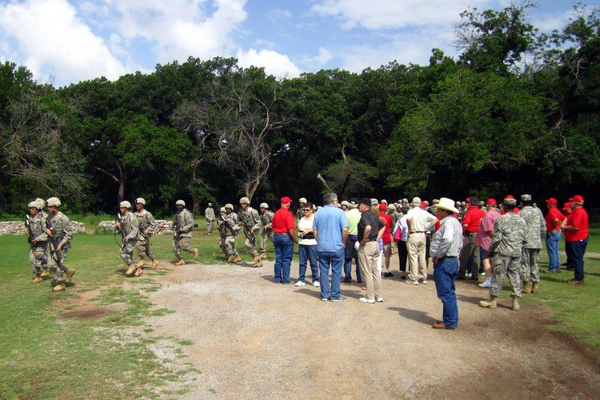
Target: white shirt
[(306, 223), (401, 224), (418, 219), (448, 240)]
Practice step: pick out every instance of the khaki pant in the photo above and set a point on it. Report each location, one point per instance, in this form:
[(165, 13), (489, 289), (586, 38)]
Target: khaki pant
[(417, 263), (144, 250), (181, 243), (469, 257), (371, 275)]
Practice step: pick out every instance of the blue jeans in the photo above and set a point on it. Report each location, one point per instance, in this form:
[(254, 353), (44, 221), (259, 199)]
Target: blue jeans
[(552, 240), (444, 273), (308, 253), (284, 250), (577, 252), (336, 260)]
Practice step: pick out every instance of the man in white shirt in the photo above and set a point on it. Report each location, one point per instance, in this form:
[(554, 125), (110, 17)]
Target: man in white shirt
[(417, 221)]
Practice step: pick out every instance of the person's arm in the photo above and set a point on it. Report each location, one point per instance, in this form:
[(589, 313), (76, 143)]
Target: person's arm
[(497, 236), (345, 235), (365, 237), (408, 224), (291, 227), (573, 225), (466, 221)]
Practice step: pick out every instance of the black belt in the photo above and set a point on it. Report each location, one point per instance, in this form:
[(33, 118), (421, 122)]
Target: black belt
[(281, 233), (443, 258), (417, 232)]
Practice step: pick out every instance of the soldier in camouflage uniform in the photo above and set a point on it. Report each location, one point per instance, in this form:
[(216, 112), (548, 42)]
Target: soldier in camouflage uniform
[(299, 212), (394, 214), (129, 227), (58, 229), (507, 244), (266, 220), (183, 224), (536, 231), (250, 220), (45, 271), (38, 240), (209, 214), (147, 225), (229, 225)]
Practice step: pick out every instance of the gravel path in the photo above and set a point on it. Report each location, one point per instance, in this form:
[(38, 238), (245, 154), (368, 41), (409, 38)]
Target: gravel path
[(253, 338)]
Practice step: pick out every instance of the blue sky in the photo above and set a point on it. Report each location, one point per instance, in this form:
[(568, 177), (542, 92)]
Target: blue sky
[(65, 41)]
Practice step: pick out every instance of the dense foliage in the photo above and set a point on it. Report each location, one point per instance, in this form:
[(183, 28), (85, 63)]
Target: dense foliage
[(517, 111)]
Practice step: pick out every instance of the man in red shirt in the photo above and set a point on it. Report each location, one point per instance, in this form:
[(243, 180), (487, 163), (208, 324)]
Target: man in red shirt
[(576, 233), (469, 255), (283, 241), (554, 219), (387, 239)]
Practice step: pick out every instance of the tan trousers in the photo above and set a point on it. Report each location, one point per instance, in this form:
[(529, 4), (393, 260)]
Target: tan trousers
[(371, 275), (417, 263)]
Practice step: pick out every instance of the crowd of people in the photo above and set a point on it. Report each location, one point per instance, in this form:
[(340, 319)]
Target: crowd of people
[(462, 240)]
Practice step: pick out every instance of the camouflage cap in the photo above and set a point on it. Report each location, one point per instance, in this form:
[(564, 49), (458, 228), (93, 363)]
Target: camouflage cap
[(244, 200), (510, 202), (180, 203), (53, 202), (34, 204), (222, 209), (384, 201), (526, 197), (264, 205), (302, 200), (391, 207), (229, 205), (125, 204), (210, 204), (42, 202), (374, 202), (141, 201), (436, 201)]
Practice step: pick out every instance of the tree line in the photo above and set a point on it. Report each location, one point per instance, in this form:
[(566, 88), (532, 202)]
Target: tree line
[(516, 111)]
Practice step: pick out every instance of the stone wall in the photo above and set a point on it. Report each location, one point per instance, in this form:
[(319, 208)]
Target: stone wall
[(18, 227), (164, 227)]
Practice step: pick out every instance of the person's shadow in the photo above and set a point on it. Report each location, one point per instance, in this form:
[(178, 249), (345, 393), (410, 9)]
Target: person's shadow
[(415, 315)]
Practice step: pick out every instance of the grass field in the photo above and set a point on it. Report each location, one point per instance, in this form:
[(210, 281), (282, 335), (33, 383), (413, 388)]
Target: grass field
[(44, 354)]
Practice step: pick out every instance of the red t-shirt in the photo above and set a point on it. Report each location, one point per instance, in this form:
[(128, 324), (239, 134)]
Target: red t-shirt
[(516, 211), (579, 219), (387, 233), (472, 218), (553, 214), (283, 221)]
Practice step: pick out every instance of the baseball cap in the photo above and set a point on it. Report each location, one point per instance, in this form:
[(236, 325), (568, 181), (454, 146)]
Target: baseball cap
[(577, 199), (382, 207), (566, 206), (365, 200), (552, 200), (492, 201), (285, 200), (423, 204), (509, 196)]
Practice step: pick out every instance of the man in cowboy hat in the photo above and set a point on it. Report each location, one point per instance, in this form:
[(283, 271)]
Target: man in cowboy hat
[(445, 249)]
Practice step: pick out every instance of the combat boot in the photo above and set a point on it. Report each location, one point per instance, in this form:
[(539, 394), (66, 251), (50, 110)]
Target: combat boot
[(138, 272), (59, 288), (141, 263), (155, 263), (258, 262), (196, 255), (489, 304), (230, 259), (515, 305), (37, 279), (263, 256), (238, 259), (45, 273), (180, 262), (535, 288), (526, 288), (70, 273), (130, 270), (253, 263)]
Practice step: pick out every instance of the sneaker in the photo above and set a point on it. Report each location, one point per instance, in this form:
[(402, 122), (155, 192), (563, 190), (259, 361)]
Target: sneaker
[(339, 299), (316, 284), (323, 299), (379, 299), (486, 284), (409, 282), (387, 274), (365, 300), (424, 282), (299, 284), (468, 275)]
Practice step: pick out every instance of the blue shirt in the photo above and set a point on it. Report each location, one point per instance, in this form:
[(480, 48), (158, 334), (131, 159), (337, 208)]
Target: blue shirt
[(329, 222)]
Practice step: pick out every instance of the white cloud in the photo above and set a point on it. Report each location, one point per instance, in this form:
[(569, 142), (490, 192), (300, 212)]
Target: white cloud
[(50, 39), (274, 63), (179, 28), (277, 14), (393, 14), (550, 22), (317, 62)]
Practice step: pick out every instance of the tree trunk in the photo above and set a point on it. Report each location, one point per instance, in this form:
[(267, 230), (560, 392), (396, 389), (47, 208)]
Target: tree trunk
[(196, 206)]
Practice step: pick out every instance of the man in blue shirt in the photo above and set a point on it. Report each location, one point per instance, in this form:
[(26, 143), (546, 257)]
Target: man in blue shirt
[(331, 231)]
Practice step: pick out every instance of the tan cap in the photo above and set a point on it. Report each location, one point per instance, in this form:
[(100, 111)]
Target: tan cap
[(34, 204), (141, 201), (302, 200), (53, 202), (42, 202), (244, 200), (125, 204), (264, 205), (180, 203), (229, 205)]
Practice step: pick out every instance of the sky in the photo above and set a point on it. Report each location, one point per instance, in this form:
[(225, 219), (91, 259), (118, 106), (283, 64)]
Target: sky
[(67, 41)]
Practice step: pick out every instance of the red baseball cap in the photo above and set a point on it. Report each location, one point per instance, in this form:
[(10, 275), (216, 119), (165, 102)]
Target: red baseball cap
[(423, 204), (566, 206), (286, 200), (382, 207), (552, 200), (577, 199), (509, 196), (492, 201)]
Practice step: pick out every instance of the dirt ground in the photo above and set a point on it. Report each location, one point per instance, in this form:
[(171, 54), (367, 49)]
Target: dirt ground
[(252, 338)]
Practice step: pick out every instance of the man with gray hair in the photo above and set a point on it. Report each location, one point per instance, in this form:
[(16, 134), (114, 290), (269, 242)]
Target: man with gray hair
[(330, 226)]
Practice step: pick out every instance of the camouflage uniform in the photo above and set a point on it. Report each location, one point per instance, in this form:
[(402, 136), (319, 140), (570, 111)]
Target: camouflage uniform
[(507, 243), (535, 232), (130, 228), (209, 214), (62, 233), (44, 215), (266, 220), (229, 227), (183, 224), (37, 250), (146, 225), (251, 222)]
